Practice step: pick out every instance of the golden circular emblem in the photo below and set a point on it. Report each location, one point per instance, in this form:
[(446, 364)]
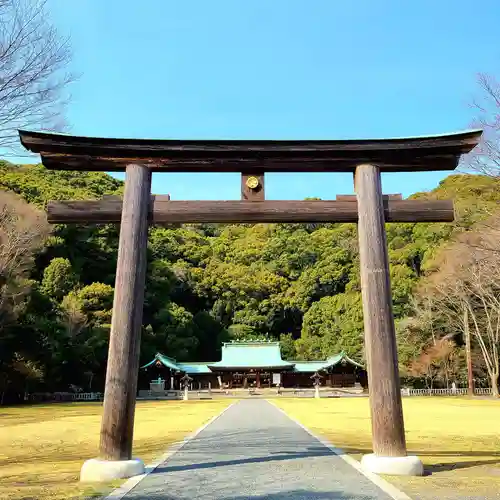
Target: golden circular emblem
[(252, 182)]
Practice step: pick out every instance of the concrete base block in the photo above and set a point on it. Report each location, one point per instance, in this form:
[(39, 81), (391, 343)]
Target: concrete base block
[(393, 466), (104, 471)]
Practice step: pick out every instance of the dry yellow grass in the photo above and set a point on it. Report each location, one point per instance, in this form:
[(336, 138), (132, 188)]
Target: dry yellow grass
[(43, 447), (458, 439)]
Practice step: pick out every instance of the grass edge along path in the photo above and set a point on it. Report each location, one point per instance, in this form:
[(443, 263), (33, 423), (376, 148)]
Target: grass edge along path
[(43, 447), (456, 438)]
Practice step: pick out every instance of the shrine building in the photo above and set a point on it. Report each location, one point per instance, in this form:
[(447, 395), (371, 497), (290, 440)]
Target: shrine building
[(256, 364)]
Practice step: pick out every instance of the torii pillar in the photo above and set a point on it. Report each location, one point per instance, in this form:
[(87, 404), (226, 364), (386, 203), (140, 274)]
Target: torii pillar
[(388, 432), (117, 425)]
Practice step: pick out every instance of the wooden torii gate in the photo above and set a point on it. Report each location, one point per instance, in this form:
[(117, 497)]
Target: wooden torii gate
[(366, 159)]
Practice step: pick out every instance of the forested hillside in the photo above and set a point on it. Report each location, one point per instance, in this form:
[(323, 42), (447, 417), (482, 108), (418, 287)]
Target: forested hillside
[(208, 283)]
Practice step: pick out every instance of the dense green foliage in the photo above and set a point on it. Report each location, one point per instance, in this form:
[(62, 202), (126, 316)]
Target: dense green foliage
[(206, 283)]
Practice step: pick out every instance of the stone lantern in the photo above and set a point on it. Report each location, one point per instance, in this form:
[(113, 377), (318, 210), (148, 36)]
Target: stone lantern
[(185, 383), (316, 379)]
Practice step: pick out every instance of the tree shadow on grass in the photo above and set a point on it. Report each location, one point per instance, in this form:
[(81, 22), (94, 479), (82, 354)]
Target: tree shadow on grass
[(70, 454), (445, 467), (431, 453), (437, 468)]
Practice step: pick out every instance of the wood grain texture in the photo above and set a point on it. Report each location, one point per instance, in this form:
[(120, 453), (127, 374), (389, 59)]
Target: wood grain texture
[(380, 335), (257, 194), (353, 197), (178, 212), (386, 162), (405, 154), (124, 342), (63, 143)]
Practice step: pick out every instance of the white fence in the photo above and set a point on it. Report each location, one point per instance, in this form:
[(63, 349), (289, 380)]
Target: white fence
[(87, 396), (40, 397), (445, 392), (98, 396)]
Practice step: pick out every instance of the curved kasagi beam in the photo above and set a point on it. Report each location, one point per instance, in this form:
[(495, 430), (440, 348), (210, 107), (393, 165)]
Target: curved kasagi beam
[(66, 152)]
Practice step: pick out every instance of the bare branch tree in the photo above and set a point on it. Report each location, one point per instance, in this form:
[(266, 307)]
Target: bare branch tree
[(23, 231), (33, 77), (468, 288), (485, 158), (438, 361)]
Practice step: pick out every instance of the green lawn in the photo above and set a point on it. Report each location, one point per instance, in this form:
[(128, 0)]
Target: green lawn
[(43, 447), (458, 439)]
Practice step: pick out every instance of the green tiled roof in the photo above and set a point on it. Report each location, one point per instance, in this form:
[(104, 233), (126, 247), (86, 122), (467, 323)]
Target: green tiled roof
[(308, 366), (251, 355), (313, 366), (246, 355), (189, 367), (165, 361), (338, 358)]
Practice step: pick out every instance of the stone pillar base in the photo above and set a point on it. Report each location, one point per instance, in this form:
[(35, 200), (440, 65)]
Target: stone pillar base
[(393, 466), (96, 470)]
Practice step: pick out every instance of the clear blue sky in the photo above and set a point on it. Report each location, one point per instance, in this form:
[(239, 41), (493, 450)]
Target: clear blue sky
[(277, 69)]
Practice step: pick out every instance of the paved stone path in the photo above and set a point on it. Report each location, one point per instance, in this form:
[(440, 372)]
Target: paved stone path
[(253, 451)]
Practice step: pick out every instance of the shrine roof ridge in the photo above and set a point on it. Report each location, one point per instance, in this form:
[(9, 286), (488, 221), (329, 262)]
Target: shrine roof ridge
[(431, 152), (257, 354), (272, 360)]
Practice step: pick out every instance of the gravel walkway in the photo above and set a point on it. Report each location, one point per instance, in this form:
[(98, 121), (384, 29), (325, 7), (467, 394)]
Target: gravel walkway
[(253, 451)]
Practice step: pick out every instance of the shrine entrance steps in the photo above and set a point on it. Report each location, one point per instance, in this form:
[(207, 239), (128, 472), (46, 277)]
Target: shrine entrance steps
[(254, 451)]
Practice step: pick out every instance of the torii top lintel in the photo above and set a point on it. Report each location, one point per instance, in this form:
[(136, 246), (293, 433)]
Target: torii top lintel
[(66, 152)]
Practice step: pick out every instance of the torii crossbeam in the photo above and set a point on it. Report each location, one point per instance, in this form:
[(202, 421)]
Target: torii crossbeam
[(366, 159)]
